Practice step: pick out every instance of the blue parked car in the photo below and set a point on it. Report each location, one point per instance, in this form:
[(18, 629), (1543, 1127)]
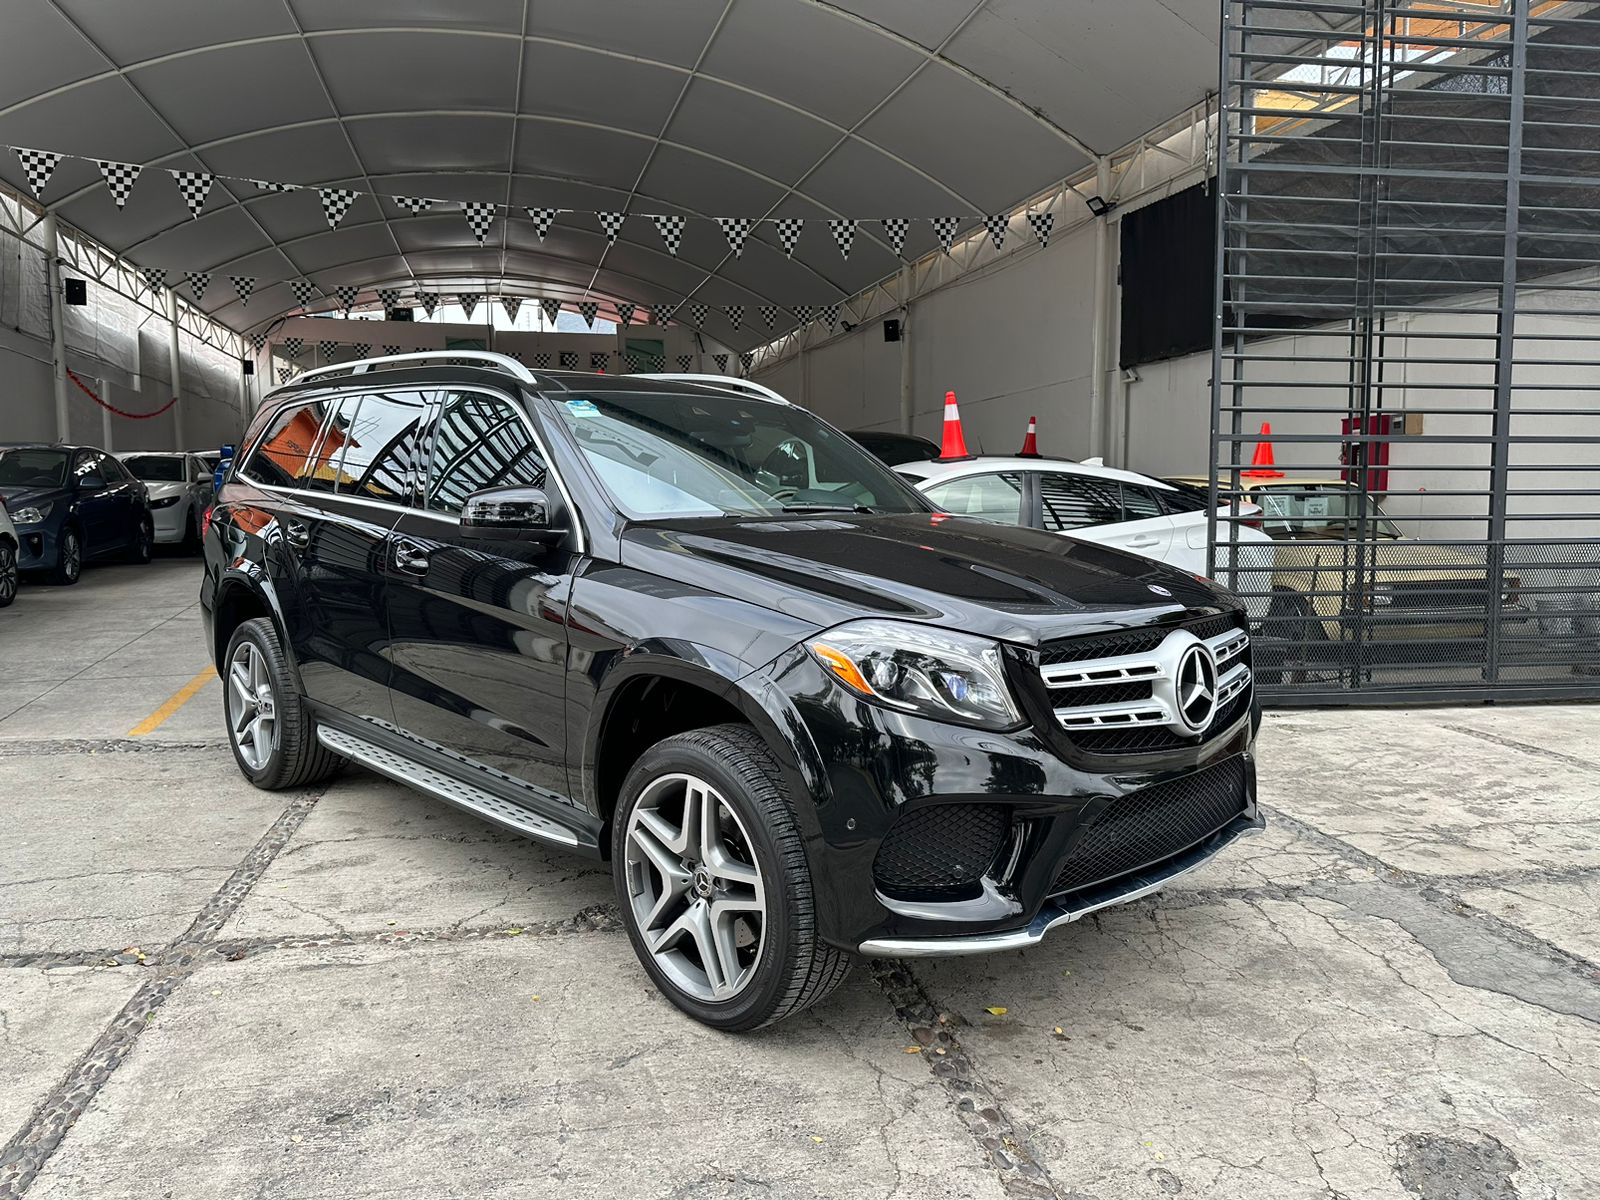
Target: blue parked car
[(71, 504)]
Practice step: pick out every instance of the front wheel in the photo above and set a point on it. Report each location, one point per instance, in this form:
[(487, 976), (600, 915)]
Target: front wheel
[(270, 727), (144, 542), (69, 559), (8, 573), (712, 879)]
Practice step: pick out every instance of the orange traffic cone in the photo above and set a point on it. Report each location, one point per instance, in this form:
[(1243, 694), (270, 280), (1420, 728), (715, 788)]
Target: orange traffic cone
[(955, 443), (1030, 440), (1263, 457)]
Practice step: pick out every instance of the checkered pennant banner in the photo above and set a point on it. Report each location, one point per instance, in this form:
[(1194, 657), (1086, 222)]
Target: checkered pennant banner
[(155, 278), (685, 362), (599, 360), (896, 228), (389, 297), (520, 357), (198, 282), (267, 185), (946, 228), (195, 186), (38, 165), (303, 291), (736, 230), (671, 230), (997, 226), (347, 296), (428, 301), (480, 217), (663, 313), (569, 360), (335, 203), (830, 314), (294, 347), (806, 312), (698, 314), (284, 375), (612, 224), (735, 315), (361, 349), (747, 360), (1042, 223), (542, 219), (588, 310), (326, 350), (625, 314), (512, 305), (789, 232), (119, 179), (632, 360), (542, 361), (257, 340), (769, 315), (243, 285), (469, 304), (390, 349), (844, 233), (413, 204), (722, 363), (552, 310)]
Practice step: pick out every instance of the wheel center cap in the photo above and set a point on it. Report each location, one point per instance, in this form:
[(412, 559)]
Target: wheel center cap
[(703, 887)]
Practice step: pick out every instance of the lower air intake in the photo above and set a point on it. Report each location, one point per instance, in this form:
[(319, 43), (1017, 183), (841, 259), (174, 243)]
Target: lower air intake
[(940, 852)]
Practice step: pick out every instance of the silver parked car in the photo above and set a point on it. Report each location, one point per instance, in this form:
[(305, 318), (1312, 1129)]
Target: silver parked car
[(180, 493)]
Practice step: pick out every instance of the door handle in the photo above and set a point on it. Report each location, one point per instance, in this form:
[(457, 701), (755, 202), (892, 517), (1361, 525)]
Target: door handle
[(1143, 540), (297, 534), (411, 558)]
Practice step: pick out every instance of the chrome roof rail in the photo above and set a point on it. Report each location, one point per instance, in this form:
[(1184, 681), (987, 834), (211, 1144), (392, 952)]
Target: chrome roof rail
[(730, 383), (360, 366)]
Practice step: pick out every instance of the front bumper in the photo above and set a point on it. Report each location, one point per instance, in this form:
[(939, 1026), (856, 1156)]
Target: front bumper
[(876, 770), (171, 523), (37, 547)]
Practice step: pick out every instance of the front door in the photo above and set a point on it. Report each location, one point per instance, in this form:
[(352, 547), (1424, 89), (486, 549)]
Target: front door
[(101, 507), (478, 633)]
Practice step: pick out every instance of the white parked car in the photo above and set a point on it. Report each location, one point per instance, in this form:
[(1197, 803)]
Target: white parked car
[(1124, 509), (9, 546), (180, 492)]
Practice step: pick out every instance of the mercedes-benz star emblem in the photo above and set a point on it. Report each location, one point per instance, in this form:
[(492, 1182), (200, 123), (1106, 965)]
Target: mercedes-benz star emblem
[(1197, 688), (1158, 589)]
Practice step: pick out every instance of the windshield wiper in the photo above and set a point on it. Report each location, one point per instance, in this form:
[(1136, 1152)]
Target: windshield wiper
[(828, 508)]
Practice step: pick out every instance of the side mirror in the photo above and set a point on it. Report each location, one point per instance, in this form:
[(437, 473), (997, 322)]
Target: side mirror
[(513, 514), (91, 483)]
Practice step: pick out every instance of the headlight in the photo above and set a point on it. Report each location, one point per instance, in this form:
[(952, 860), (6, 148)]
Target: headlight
[(916, 668), (32, 515), (165, 502)]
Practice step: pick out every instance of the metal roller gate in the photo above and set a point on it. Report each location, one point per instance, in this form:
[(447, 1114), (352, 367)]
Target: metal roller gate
[(1409, 297)]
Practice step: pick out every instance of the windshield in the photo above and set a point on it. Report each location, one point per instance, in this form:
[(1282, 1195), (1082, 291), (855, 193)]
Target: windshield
[(1313, 511), (155, 468), (33, 467), (702, 455)]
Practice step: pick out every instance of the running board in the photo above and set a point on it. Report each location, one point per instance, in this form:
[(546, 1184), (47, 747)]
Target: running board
[(444, 787)]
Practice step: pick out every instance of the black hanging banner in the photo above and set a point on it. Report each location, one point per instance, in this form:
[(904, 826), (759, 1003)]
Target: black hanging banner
[(1168, 265)]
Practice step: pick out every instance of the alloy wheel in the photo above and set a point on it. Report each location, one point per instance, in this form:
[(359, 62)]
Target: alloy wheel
[(252, 711), (695, 890), (71, 556), (8, 574)]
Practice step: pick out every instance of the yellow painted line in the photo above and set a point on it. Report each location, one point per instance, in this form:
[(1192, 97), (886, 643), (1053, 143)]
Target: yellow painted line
[(183, 695)]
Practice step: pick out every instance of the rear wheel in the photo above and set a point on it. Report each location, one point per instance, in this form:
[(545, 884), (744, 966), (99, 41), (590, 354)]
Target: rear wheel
[(8, 573), (191, 532), (270, 727), (143, 548), (69, 558), (713, 882)]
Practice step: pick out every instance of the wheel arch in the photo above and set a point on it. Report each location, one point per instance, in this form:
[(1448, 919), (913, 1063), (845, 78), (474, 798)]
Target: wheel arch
[(241, 596)]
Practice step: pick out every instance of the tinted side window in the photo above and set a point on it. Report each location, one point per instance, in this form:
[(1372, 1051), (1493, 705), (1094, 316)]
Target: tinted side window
[(1179, 500), (987, 497), (1139, 503), (285, 453), (481, 441), (89, 467), (1076, 501), (322, 474), (382, 447)]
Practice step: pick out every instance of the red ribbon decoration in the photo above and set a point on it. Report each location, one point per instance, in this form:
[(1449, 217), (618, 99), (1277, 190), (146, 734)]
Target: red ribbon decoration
[(112, 408)]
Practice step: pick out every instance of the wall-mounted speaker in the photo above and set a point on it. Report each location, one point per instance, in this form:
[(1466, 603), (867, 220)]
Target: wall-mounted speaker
[(77, 291), (891, 329), (249, 366)]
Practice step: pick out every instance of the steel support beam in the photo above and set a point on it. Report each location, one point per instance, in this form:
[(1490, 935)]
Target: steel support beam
[(58, 333), (1099, 404), (176, 360)]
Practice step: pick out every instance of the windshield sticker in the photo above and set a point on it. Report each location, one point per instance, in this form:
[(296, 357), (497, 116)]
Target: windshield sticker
[(1275, 506), (1317, 508), (582, 408)]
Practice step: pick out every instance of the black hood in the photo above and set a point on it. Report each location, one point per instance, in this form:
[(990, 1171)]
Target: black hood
[(21, 496), (1019, 585)]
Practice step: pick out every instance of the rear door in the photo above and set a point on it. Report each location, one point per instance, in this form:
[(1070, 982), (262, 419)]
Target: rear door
[(479, 627), (993, 496), (1092, 507)]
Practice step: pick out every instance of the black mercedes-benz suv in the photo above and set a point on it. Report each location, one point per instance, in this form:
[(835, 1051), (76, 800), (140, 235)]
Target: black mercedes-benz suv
[(690, 628)]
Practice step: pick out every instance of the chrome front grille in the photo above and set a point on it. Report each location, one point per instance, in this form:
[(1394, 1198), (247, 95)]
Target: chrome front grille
[(1132, 686)]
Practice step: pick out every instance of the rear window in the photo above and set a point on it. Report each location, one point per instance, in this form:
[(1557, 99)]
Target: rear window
[(156, 468)]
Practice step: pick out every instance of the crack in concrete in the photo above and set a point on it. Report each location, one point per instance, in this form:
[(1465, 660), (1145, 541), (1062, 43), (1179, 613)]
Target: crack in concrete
[(1570, 760), (38, 747)]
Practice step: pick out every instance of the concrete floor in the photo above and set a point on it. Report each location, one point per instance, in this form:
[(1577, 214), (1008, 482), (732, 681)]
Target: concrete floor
[(208, 991)]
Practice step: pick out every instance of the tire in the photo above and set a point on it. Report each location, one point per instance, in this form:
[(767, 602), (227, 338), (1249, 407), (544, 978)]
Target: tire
[(8, 574), (275, 743), (69, 558), (191, 533), (788, 968), (1291, 622), (144, 542)]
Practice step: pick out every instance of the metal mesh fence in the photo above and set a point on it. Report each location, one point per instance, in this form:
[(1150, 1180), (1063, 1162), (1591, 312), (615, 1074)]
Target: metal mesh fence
[(1409, 300)]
